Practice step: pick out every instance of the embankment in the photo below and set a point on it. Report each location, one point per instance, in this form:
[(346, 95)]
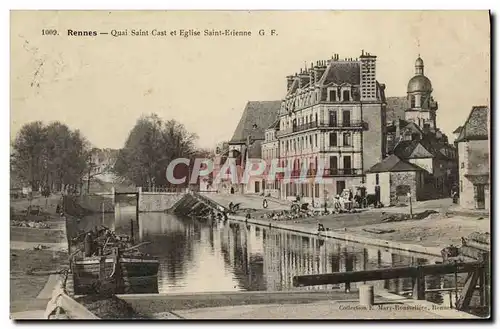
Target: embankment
[(298, 228), (158, 201), (87, 204)]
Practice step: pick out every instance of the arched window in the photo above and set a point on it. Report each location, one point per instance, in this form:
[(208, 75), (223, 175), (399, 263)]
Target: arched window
[(412, 101), (376, 179)]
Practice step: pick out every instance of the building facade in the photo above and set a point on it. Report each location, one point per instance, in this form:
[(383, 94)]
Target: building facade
[(271, 152), (333, 116), (474, 160)]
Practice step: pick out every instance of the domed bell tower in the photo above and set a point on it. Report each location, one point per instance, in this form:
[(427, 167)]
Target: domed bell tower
[(421, 107)]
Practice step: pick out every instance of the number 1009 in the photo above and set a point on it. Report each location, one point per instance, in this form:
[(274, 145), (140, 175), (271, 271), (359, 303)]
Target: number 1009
[(49, 32)]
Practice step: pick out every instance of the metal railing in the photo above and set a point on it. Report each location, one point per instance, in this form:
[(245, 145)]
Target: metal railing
[(164, 189), (336, 124), (328, 172)]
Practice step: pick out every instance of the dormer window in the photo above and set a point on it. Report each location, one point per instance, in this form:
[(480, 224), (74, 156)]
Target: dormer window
[(332, 95), (346, 96)]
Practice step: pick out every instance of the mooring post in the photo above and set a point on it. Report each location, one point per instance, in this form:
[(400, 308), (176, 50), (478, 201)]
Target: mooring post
[(482, 286), (137, 207), (419, 284), (411, 206), (366, 295)]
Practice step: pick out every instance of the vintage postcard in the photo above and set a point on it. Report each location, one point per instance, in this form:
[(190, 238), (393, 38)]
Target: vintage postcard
[(250, 165)]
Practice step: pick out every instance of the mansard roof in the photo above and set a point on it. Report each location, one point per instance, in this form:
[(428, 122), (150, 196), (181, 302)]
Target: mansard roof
[(275, 124), (339, 72), (256, 118)]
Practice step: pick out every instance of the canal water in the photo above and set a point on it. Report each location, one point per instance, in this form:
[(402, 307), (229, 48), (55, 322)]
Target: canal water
[(199, 255)]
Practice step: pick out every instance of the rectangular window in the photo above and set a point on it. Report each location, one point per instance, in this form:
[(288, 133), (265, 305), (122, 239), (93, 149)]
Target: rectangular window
[(347, 165), (316, 140), (332, 118), (333, 139), (347, 139), (346, 118), (316, 190), (332, 95), (340, 186), (346, 96), (462, 165), (333, 163), (461, 186)]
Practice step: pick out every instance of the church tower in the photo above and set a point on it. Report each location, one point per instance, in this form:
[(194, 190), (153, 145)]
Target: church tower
[(421, 107)]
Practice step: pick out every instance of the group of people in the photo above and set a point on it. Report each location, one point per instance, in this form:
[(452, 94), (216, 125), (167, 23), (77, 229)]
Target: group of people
[(220, 215)]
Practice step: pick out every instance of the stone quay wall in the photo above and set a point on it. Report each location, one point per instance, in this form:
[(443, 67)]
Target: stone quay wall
[(158, 201)]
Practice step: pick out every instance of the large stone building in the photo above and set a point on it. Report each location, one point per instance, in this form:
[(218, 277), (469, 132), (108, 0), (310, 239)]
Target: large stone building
[(413, 136), (334, 114), (474, 159), (270, 152)]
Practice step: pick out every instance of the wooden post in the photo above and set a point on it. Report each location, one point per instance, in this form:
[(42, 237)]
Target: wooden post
[(411, 205), (419, 284), (102, 268), (466, 295), (137, 207), (383, 274), (132, 231), (482, 286)]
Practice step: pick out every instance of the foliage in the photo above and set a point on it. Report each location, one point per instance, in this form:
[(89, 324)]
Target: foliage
[(151, 145), (53, 156)]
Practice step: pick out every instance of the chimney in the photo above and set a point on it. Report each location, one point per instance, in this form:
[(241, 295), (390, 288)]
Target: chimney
[(304, 78), (319, 70), (289, 82)]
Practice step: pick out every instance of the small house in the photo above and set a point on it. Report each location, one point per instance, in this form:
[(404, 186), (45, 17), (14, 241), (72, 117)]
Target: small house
[(392, 179)]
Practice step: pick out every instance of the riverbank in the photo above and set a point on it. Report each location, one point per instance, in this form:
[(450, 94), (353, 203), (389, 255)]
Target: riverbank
[(443, 225), (35, 253), (427, 236)]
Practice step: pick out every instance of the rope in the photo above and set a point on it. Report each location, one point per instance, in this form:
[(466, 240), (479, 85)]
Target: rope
[(456, 284), (45, 273)]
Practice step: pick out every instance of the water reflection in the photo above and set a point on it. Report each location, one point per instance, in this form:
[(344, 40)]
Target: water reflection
[(203, 256)]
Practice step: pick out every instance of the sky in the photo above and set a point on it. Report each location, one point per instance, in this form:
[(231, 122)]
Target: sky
[(101, 85)]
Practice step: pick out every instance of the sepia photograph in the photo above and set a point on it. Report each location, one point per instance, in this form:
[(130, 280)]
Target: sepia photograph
[(250, 165)]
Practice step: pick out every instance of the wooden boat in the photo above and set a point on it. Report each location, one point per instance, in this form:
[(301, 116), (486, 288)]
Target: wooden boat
[(115, 267)]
